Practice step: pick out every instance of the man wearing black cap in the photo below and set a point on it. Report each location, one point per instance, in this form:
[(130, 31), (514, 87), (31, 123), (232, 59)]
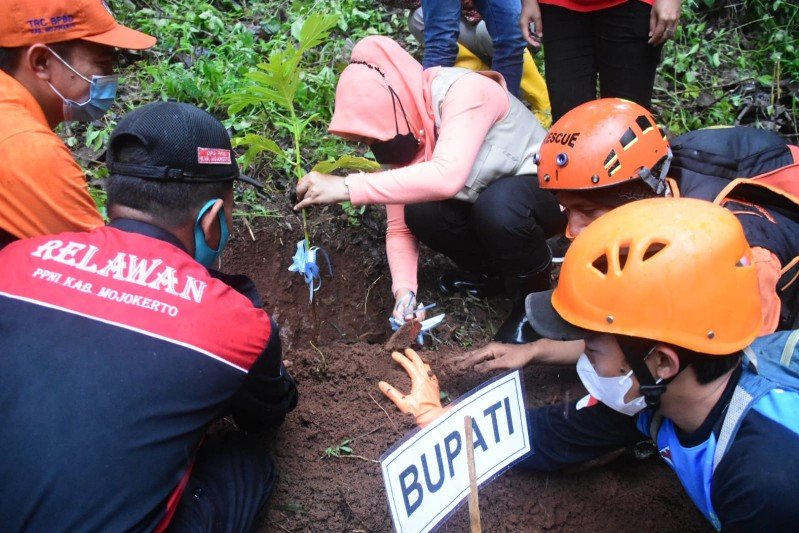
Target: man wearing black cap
[(120, 347)]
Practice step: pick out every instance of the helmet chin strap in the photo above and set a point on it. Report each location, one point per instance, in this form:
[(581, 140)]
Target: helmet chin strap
[(658, 183), (650, 389), (636, 351)]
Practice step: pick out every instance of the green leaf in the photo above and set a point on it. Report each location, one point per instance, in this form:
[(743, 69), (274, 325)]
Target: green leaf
[(276, 81), (296, 28), (257, 144), (346, 162), (315, 30)]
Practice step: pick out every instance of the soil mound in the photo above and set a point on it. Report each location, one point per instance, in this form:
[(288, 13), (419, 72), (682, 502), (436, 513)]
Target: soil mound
[(329, 447)]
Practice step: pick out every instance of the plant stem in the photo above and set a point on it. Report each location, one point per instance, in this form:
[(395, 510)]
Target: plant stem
[(298, 169)]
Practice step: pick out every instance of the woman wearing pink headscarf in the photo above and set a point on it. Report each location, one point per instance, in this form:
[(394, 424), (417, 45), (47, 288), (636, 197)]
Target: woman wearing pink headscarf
[(462, 177)]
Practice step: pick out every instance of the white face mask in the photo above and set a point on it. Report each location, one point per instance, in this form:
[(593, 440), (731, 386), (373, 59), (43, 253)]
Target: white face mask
[(610, 391)]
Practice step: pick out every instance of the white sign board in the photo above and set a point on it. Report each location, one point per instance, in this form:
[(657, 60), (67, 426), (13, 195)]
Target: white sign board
[(426, 476)]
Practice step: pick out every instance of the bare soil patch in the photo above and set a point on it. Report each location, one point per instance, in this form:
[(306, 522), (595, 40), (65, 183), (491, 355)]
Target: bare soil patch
[(335, 350)]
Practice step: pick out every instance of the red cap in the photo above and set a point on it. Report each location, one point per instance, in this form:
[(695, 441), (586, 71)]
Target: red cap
[(27, 22)]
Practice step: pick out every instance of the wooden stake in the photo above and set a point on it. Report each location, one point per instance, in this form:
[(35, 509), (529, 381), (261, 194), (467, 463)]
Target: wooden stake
[(474, 504)]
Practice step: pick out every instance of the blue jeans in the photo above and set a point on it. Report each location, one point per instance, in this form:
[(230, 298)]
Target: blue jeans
[(441, 29)]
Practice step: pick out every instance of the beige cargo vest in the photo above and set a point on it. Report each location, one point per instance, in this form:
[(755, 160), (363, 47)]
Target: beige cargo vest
[(508, 148)]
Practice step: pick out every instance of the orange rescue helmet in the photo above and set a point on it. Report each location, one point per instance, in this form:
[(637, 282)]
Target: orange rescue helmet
[(602, 143), (673, 270)]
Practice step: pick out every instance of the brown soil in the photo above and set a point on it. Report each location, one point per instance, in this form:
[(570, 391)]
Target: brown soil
[(335, 350)]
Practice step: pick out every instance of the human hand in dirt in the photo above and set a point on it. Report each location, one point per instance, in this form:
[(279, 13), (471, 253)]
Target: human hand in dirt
[(496, 356), (531, 13), (318, 188), (406, 308), (500, 356), (424, 400), (663, 20)]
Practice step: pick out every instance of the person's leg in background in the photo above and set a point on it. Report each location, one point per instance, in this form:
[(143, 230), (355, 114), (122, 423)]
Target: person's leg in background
[(445, 227), (626, 62), (229, 485), (441, 28), (474, 37), (502, 21), (475, 52), (571, 70), (513, 219)]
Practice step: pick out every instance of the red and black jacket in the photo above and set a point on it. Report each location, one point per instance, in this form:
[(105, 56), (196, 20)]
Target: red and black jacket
[(117, 350)]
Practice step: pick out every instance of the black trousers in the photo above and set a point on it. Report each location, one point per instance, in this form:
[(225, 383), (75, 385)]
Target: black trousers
[(503, 232), (609, 43), (231, 481)]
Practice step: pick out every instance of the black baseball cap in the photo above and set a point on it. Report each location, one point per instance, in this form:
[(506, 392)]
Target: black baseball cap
[(183, 142), (546, 321)]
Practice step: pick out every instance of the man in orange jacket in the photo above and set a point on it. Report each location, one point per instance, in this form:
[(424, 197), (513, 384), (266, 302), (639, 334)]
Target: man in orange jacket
[(57, 59)]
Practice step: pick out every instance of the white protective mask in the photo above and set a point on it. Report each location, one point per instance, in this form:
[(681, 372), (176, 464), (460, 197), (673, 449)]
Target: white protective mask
[(610, 391)]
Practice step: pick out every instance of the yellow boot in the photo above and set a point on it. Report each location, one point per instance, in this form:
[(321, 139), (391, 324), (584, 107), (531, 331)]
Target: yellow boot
[(534, 90), (533, 87)]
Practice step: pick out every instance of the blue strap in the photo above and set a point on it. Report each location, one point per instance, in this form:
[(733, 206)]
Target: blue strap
[(304, 262)]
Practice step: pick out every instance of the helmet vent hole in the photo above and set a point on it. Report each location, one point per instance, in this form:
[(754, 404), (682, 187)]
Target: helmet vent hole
[(644, 123), (601, 264), (653, 249), (624, 251), (609, 158), (628, 138)]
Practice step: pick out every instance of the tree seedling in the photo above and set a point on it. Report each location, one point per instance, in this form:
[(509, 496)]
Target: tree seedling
[(276, 84)]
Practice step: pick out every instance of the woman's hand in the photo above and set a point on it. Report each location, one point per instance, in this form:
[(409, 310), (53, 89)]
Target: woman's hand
[(318, 188), (531, 13), (405, 307), (663, 20)]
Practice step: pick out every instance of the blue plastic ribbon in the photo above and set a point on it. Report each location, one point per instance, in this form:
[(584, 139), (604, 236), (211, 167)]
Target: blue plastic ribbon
[(304, 262)]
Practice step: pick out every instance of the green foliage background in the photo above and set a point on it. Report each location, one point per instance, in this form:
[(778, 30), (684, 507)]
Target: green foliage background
[(729, 59)]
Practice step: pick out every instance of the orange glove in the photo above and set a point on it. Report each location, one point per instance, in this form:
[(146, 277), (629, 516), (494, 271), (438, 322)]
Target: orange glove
[(424, 401)]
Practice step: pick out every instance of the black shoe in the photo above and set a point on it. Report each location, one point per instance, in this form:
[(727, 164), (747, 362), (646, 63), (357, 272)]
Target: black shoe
[(479, 285), (516, 329), (558, 246)]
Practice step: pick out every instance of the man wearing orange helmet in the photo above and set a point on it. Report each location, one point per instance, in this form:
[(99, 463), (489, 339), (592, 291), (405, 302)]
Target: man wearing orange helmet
[(609, 152), (664, 357)]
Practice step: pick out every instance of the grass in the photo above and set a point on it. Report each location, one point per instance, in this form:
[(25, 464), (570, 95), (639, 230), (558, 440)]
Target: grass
[(338, 450), (344, 450), (205, 50), (728, 63), (729, 60)]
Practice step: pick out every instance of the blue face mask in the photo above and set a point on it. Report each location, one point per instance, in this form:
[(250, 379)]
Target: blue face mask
[(204, 254), (102, 91)]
